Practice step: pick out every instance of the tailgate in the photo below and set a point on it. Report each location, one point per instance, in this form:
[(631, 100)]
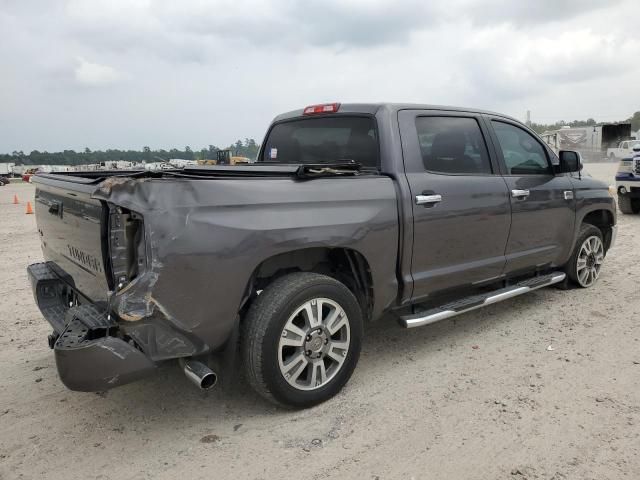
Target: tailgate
[(71, 226)]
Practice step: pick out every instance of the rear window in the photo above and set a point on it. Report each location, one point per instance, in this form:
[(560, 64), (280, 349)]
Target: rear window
[(322, 140), (452, 145)]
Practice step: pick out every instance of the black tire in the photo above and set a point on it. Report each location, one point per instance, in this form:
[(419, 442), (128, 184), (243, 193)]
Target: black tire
[(263, 327), (571, 269), (629, 206)]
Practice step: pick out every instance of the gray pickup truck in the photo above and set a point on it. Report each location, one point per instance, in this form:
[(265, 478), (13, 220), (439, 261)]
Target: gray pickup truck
[(350, 212)]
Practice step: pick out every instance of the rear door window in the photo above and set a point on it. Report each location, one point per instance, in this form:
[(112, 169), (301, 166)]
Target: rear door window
[(323, 140), (452, 145)]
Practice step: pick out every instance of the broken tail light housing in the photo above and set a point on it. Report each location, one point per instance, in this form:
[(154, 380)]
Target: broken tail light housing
[(320, 109), (126, 246)]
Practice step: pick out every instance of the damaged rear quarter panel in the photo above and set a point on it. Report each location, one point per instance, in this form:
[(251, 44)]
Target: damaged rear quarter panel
[(205, 237)]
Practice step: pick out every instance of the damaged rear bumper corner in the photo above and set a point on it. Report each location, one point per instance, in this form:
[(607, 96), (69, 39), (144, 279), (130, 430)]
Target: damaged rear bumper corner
[(95, 365), (89, 355)]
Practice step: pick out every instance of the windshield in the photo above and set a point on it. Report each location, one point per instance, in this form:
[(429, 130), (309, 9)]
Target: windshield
[(323, 140)]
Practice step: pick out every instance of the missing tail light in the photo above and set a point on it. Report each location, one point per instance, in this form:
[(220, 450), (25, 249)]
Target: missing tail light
[(126, 246)]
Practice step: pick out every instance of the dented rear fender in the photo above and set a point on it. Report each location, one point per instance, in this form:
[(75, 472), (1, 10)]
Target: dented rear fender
[(205, 237)]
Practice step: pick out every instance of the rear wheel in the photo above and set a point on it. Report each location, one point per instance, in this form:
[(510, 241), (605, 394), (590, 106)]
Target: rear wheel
[(628, 205), (587, 258), (302, 339)]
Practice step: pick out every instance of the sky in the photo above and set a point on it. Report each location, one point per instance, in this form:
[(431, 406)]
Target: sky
[(164, 74)]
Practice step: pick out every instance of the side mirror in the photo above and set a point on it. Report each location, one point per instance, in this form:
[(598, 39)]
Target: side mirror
[(570, 161)]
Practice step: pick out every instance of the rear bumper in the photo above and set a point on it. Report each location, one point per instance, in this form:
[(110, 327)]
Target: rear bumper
[(90, 354)]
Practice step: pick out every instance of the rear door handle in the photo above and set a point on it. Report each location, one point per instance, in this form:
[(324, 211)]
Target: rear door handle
[(428, 199), (520, 193)]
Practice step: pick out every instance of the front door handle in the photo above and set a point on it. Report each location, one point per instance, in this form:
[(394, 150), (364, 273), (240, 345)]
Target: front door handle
[(520, 193), (428, 199)]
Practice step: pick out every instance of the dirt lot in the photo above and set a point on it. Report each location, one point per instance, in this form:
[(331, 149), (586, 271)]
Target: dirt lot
[(478, 397)]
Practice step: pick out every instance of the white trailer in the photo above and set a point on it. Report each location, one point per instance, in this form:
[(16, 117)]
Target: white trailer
[(6, 169), (158, 166), (180, 162), (592, 142)]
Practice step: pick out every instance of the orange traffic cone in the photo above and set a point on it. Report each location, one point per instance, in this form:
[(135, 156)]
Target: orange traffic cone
[(15, 200), (29, 209)]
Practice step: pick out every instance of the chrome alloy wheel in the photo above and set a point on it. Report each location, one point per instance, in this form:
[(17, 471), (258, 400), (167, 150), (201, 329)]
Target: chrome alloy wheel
[(314, 344), (589, 261)]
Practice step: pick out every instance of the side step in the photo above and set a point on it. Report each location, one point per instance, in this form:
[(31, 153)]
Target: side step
[(478, 301)]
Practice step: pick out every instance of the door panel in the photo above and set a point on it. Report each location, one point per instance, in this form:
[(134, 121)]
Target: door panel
[(543, 213), (460, 238), (541, 224)]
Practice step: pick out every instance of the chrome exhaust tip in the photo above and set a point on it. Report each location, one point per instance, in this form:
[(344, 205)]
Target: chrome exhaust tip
[(199, 373)]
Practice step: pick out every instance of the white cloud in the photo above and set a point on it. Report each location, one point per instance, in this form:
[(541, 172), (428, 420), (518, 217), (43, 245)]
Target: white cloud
[(211, 71), (94, 74), (505, 62)]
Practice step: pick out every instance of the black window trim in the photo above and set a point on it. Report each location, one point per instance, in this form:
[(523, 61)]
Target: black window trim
[(500, 155), (444, 114), (314, 117)]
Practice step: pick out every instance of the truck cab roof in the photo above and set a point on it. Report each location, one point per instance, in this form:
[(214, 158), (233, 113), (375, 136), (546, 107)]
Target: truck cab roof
[(373, 108)]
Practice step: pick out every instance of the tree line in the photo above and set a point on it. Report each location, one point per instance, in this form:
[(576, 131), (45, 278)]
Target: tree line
[(247, 148)]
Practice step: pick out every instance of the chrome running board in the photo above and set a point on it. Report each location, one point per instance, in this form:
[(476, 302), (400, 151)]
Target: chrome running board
[(478, 301)]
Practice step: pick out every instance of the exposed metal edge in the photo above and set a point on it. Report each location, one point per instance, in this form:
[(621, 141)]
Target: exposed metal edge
[(409, 322)]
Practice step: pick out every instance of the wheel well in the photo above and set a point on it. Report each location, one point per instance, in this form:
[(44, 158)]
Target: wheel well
[(603, 219), (344, 264)]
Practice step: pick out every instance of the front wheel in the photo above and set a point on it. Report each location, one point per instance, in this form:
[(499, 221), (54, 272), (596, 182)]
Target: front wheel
[(301, 339), (587, 258)]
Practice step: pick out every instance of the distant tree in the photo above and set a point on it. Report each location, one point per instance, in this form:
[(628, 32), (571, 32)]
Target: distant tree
[(541, 128), (246, 148)]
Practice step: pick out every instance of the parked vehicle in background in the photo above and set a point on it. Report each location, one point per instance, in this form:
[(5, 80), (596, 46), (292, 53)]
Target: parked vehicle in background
[(624, 149), (224, 157), (350, 212), (180, 163), (155, 166), (6, 170), (4, 181), (26, 176), (628, 182), (592, 142)]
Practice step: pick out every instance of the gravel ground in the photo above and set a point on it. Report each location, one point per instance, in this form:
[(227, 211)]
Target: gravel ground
[(481, 396)]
